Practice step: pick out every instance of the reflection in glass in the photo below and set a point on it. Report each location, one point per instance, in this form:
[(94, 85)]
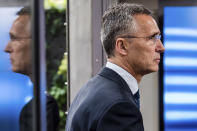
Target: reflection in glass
[(16, 89), (19, 48)]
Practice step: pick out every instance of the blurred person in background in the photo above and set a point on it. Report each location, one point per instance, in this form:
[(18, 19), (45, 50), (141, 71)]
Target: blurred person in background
[(20, 49), (110, 100)]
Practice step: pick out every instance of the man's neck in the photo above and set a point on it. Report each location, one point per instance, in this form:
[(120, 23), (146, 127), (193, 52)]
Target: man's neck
[(31, 77), (128, 68)]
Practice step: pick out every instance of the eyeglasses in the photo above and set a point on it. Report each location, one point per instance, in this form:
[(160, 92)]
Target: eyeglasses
[(154, 37), (19, 38)]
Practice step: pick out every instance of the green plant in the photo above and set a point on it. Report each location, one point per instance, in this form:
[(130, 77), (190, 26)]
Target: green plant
[(55, 4), (56, 61), (59, 90)]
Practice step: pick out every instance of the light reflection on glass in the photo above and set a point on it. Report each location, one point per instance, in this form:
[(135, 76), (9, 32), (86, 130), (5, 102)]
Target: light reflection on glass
[(16, 89)]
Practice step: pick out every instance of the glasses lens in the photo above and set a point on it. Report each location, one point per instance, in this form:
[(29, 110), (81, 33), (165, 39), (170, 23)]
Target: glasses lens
[(158, 37)]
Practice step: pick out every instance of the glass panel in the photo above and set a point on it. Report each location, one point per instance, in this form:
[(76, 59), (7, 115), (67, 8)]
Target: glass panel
[(15, 67), (180, 69), (56, 55)]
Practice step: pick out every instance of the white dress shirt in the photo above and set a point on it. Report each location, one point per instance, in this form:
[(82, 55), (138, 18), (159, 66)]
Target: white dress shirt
[(130, 80)]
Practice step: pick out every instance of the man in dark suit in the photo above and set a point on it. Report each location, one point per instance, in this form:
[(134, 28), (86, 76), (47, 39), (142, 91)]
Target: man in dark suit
[(110, 100), (20, 49)]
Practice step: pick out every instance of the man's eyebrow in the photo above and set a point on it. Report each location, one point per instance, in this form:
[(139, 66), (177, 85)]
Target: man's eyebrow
[(156, 33)]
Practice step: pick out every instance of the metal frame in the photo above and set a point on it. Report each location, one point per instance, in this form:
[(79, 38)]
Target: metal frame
[(99, 56), (97, 11), (161, 117), (68, 55), (39, 77)]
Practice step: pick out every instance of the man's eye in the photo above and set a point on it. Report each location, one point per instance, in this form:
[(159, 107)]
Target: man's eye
[(151, 37), (13, 38)]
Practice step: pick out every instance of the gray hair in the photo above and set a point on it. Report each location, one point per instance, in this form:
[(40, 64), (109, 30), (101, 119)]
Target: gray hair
[(118, 20), (24, 11)]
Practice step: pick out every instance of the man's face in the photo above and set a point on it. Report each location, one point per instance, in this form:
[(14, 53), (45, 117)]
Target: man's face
[(144, 53), (19, 45)]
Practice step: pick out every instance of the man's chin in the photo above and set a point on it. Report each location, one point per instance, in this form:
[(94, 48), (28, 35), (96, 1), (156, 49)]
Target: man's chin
[(16, 70), (20, 71), (153, 69)]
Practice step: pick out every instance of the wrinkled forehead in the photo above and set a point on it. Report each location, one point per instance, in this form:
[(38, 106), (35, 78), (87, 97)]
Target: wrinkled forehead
[(146, 24), (21, 26)]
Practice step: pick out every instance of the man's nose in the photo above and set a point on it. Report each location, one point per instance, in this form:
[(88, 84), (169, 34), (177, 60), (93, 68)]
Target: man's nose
[(159, 47), (8, 48)]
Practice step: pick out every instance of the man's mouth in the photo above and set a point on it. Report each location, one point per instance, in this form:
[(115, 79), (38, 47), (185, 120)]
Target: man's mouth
[(157, 60)]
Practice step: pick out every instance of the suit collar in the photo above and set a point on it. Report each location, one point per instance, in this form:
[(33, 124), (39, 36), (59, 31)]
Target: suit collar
[(130, 80), (112, 75)]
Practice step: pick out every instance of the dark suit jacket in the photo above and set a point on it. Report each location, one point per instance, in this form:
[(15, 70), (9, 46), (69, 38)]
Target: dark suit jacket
[(26, 115), (105, 103)]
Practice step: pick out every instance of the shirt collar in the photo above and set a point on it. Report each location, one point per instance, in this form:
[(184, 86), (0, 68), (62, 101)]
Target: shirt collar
[(130, 80)]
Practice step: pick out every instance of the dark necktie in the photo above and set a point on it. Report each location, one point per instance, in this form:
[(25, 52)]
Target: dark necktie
[(137, 98)]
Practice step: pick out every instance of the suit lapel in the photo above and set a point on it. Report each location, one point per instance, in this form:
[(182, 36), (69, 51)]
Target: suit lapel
[(112, 75)]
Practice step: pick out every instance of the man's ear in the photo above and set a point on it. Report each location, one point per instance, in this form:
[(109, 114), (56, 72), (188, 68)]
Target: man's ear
[(121, 46)]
